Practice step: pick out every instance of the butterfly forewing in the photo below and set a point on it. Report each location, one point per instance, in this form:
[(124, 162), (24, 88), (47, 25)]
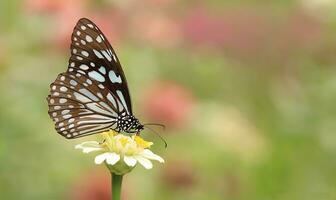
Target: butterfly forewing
[(92, 54), (93, 93)]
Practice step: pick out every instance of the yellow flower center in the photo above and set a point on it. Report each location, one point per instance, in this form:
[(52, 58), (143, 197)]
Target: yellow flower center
[(141, 142), (118, 143), (123, 141)]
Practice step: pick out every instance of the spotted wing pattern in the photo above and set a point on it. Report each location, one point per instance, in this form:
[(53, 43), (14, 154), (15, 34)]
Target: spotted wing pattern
[(93, 93)]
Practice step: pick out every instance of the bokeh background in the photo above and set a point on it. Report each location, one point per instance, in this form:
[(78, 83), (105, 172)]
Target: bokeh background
[(247, 91)]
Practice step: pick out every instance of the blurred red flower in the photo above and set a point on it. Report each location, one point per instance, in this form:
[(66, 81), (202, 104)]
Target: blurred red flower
[(96, 185), (178, 174), (93, 186), (168, 103)]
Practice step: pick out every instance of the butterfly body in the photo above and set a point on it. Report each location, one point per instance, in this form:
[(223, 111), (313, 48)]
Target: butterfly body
[(92, 95), (128, 124)]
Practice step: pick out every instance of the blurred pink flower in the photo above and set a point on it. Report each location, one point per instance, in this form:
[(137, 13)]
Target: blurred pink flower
[(96, 185), (158, 29), (51, 5), (239, 30), (110, 24), (168, 103), (253, 32), (60, 33), (203, 27)]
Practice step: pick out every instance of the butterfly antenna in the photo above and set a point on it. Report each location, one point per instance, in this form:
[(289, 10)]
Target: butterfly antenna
[(156, 133), (156, 124)]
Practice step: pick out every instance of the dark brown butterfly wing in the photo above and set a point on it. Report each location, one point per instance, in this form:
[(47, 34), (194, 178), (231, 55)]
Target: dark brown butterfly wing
[(90, 96)]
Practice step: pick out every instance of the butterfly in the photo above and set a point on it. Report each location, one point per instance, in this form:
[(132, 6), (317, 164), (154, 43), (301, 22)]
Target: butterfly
[(92, 96)]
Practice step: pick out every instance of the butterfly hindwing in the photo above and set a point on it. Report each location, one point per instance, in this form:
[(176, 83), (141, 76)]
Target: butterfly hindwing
[(79, 108)]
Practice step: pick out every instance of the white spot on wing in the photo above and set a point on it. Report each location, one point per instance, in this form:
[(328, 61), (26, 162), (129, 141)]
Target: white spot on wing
[(99, 95), (115, 58), (84, 67), (88, 94), (81, 97), (97, 76), (67, 116), (106, 55), (65, 112), (97, 53), (102, 70), (62, 100), (88, 38), (63, 89), (85, 53), (107, 107), (111, 99), (73, 82), (122, 99), (98, 39), (94, 107), (114, 78)]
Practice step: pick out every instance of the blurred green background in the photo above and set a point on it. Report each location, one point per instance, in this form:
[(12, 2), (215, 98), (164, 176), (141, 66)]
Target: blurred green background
[(247, 91)]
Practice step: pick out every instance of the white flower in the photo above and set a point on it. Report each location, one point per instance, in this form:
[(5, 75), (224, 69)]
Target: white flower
[(121, 153)]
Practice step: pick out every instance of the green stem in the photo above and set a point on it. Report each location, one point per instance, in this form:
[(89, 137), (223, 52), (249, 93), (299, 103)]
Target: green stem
[(116, 181)]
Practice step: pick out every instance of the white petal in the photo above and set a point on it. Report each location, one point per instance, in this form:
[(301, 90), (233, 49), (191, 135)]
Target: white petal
[(150, 155), (101, 158), (130, 161), (89, 146), (112, 158), (144, 162)]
